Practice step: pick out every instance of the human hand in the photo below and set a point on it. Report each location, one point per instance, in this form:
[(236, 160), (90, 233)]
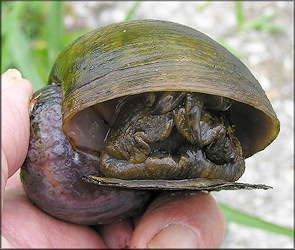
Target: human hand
[(180, 220)]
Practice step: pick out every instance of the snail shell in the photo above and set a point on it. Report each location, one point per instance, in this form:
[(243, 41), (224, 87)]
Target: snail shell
[(140, 56), (126, 59)]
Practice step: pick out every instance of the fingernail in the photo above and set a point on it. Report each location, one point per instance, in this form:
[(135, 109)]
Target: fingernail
[(13, 73), (174, 236)]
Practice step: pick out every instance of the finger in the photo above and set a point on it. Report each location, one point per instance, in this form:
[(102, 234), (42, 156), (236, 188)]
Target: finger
[(23, 225), (181, 220), (116, 235), (9, 78), (15, 132)]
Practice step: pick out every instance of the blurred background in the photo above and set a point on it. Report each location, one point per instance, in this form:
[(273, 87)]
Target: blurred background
[(258, 33)]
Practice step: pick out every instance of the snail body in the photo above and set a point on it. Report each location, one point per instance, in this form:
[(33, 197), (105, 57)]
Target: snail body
[(141, 144), (142, 105)]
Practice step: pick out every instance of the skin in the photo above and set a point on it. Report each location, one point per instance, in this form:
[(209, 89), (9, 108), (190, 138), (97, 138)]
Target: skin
[(196, 217), (165, 138)]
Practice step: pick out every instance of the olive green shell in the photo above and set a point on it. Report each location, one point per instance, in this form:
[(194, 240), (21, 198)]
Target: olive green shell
[(148, 55)]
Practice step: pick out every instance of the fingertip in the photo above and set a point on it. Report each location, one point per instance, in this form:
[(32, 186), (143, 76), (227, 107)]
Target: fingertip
[(13, 77), (10, 77), (116, 235), (175, 236), (181, 220), (16, 94)]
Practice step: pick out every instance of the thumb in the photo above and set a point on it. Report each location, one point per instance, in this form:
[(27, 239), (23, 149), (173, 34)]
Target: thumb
[(15, 133), (181, 220)]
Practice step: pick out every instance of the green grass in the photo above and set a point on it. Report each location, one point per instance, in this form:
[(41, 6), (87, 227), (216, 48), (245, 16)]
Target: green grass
[(204, 6), (234, 51), (262, 22), (33, 34), (133, 9), (236, 216), (16, 44)]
